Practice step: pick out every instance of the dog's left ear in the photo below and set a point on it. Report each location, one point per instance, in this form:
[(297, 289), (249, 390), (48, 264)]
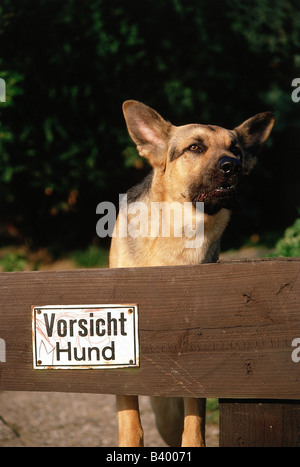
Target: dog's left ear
[(149, 131), (252, 134)]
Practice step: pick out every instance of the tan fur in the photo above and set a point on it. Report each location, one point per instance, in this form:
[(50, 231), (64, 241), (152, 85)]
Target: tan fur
[(186, 160)]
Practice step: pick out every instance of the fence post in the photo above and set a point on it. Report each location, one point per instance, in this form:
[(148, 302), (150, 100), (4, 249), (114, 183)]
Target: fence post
[(259, 423)]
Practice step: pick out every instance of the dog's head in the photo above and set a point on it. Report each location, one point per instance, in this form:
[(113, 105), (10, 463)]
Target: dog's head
[(197, 162)]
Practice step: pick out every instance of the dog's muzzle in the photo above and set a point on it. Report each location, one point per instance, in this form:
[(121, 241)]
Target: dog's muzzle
[(222, 189), (229, 174)]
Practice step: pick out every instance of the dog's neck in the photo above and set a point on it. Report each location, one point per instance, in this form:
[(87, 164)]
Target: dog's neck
[(214, 226)]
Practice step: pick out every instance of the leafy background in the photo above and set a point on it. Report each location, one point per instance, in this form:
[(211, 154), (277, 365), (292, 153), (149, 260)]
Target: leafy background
[(68, 67)]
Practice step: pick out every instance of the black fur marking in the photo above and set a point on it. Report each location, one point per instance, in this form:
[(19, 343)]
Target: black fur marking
[(138, 191), (211, 128), (235, 150), (174, 154)]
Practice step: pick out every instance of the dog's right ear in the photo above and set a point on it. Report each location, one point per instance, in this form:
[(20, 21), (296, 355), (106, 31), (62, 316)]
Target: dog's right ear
[(253, 133), (149, 131)]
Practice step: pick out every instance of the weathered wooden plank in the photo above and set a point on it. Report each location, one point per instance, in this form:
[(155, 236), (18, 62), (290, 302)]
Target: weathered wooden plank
[(213, 330), (259, 423)]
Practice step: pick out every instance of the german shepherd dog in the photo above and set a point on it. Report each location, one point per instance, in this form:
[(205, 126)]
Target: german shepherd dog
[(190, 163)]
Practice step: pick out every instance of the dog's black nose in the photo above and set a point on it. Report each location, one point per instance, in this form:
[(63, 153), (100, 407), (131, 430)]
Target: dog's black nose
[(229, 165)]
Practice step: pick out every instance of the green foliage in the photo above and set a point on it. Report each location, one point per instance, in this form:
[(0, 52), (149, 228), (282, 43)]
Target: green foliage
[(93, 257), (68, 67), (289, 244), (212, 408), (13, 262)]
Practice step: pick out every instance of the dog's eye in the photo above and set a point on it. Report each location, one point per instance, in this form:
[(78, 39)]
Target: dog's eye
[(195, 148)]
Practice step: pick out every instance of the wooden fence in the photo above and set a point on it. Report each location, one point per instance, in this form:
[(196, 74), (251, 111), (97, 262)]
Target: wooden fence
[(220, 330)]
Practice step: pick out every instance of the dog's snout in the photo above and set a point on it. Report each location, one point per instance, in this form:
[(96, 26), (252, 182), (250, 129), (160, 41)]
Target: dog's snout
[(229, 165)]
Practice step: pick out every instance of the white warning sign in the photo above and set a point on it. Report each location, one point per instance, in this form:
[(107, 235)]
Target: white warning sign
[(85, 336)]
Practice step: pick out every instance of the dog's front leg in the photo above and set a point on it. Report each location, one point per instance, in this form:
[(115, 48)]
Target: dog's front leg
[(194, 423), (130, 427)]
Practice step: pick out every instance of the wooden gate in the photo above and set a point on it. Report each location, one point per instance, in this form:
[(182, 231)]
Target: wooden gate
[(224, 330)]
